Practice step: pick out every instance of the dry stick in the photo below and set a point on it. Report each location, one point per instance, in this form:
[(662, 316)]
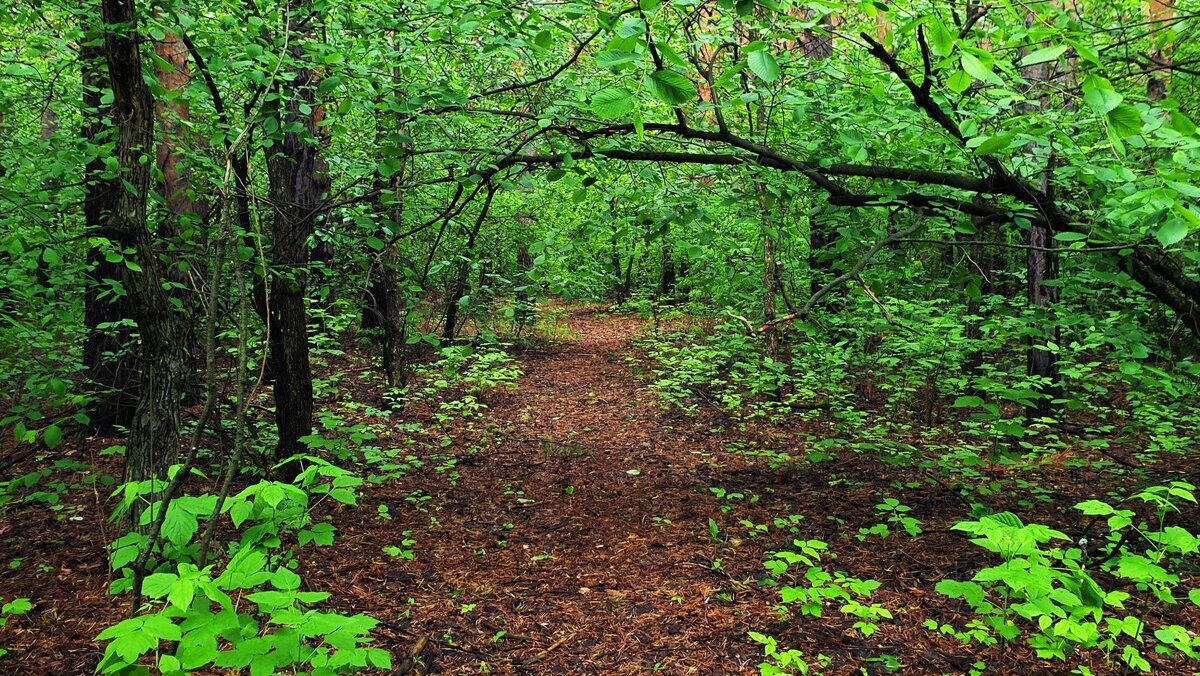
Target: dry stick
[(243, 393), (887, 316), (413, 656), (530, 661)]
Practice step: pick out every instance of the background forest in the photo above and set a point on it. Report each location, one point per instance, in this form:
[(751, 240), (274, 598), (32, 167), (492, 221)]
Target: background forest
[(692, 336)]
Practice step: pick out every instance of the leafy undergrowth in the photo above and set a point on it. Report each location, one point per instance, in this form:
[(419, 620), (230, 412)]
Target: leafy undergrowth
[(548, 509)]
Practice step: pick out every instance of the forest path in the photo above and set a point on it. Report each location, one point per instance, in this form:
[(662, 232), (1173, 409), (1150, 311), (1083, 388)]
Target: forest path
[(579, 527)]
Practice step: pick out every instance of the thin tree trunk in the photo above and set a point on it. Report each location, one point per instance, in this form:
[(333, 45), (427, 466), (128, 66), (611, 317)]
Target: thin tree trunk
[(1161, 55), (1042, 271), (666, 278), (983, 259), (172, 71), (450, 328)]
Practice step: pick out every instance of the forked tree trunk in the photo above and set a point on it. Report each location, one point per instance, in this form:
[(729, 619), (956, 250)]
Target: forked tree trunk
[(154, 434)]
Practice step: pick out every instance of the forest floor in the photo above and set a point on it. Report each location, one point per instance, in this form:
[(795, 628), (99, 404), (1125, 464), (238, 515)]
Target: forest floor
[(571, 527)]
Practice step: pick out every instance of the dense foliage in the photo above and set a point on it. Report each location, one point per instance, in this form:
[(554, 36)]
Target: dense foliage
[(960, 235)]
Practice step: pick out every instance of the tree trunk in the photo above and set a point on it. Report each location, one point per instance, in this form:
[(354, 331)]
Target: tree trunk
[(172, 71), (459, 286), (984, 259), (1161, 55), (1042, 363), (389, 304), (298, 181), (154, 435), (1042, 271), (108, 358), (666, 278)]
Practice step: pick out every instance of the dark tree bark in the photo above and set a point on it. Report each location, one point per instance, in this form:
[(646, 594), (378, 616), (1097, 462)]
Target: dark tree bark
[(1161, 57), (667, 277), (1043, 295), (108, 358), (298, 181), (384, 282), (459, 286), (154, 434), (819, 237), (385, 307), (1042, 271)]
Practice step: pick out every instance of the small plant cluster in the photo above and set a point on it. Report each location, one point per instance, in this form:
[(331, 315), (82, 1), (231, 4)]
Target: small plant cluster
[(725, 369), (12, 608), (467, 371), (48, 484), (897, 516), (1050, 590), (804, 584), (250, 610)]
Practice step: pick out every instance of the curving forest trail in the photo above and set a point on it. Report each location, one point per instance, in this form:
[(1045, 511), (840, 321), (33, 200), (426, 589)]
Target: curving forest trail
[(574, 525), (601, 501)]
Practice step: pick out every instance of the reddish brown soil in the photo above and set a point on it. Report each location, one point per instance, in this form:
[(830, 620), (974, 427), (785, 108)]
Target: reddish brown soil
[(574, 539)]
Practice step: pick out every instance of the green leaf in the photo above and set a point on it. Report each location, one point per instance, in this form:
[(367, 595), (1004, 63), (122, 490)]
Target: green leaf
[(285, 580), (1194, 596), (272, 599), (612, 58), (1125, 120), (940, 39), (670, 87), (52, 435), (763, 65), (1099, 95), (272, 494), (161, 627), (168, 664), (975, 68), (179, 526), (182, 593), (631, 27), (612, 103), (1043, 55), (1182, 123), (1071, 236), (994, 144), (320, 534), (158, 585), (1172, 232), (131, 646), (379, 658), (1094, 508), (968, 402), (17, 607), (1085, 52)]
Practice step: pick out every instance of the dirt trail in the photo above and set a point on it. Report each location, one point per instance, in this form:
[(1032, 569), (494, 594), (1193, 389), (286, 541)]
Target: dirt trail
[(583, 534), (565, 529)]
